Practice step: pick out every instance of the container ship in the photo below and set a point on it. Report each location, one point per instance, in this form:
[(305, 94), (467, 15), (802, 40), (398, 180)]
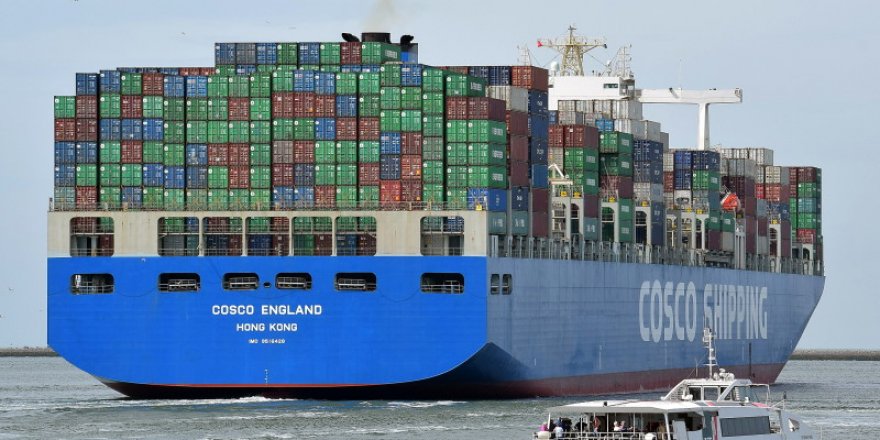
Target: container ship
[(336, 220)]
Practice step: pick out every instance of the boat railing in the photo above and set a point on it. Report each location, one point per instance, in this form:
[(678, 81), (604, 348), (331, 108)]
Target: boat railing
[(587, 435)]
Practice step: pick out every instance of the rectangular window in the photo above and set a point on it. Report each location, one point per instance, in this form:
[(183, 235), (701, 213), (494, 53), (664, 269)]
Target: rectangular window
[(222, 236), (312, 236), (442, 235), (179, 236), (241, 281), (506, 284), (494, 284), (362, 281), (179, 282), (442, 283), (293, 281), (91, 283), (743, 426), (268, 236), (355, 236), (91, 237)]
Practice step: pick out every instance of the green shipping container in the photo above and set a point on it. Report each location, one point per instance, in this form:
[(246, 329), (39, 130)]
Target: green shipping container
[(486, 131), (110, 197), (573, 159), (175, 132), (346, 174), (389, 75), (389, 98), (433, 192), (239, 86), (288, 53), (225, 70), (487, 154), (728, 222), (239, 132), (282, 81), (261, 109), (282, 130), (132, 83), (174, 109), (261, 85), (456, 131), (626, 209), (131, 174), (433, 80), (110, 175), (433, 172), (368, 151), (325, 152), (304, 129), (154, 152), (713, 222), (464, 85), (433, 126), (615, 142), (197, 199), (706, 180), (389, 120), (218, 109), (411, 98), (369, 83), (329, 53), (347, 152), (808, 190), (433, 148), (808, 221), (261, 177), (174, 199), (591, 183), (378, 53), (239, 199), (487, 177), (261, 132), (86, 175), (615, 164), (197, 109), (110, 106), (261, 154), (218, 200), (591, 159), (369, 105), (457, 153), (368, 195), (197, 132), (325, 174), (218, 177), (346, 83), (65, 106), (109, 152), (433, 103), (174, 155), (456, 198), (346, 196), (153, 107), (591, 229), (261, 199), (154, 198), (218, 86), (498, 223), (457, 177), (519, 222)]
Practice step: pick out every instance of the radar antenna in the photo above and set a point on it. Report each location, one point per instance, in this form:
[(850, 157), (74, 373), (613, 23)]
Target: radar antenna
[(525, 56), (572, 47), (709, 343), (620, 65)]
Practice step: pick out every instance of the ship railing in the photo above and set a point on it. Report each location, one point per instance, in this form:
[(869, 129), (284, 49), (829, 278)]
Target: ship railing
[(586, 435), (307, 205)]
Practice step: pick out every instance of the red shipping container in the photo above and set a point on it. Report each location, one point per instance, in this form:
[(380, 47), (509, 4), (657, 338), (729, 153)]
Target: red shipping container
[(132, 106), (218, 155), (239, 154), (619, 187), (540, 224), (350, 52), (132, 151), (86, 198), (323, 245), (517, 123), (389, 192), (411, 166), (762, 226), (668, 181), (591, 206), (87, 130), (304, 105), (206, 71), (530, 77), (486, 108), (463, 70), (283, 152), (581, 136), (153, 84), (303, 152), (239, 109), (87, 107), (540, 200), (282, 105), (807, 174), (556, 136), (239, 177), (786, 248), (456, 107), (759, 191), (793, 176), (751, 235), (410, 142), (805, 236), (325, 196), (750, 205), (518, 148), (368, 129), (65, 130), (519, 173), (346, 129), (282, 174), (713, 240), (325, 106), (368, 174), (411, 190)]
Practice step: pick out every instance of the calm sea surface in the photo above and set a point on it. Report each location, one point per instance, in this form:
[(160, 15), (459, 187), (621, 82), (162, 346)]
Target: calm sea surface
[(47, 398)]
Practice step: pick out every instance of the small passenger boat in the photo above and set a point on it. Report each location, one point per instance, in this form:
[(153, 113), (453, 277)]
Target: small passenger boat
[(718, 407)]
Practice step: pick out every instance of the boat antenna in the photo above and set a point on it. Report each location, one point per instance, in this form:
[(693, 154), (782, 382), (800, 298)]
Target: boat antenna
[(709, 343)]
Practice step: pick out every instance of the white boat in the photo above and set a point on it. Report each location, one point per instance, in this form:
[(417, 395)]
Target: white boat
[(718, 407)]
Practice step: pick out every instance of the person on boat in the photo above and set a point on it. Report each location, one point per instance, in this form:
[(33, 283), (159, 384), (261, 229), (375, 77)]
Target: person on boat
[(616, 426), (558, 431)]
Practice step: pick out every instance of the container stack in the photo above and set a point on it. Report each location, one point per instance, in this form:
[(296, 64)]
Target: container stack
[(807, 217), (616, 185), (740, 174), (648, 189)]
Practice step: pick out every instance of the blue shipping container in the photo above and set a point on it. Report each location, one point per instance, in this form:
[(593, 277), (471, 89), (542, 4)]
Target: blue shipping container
[(519, 198), (196, 176), (224, 53), (111, 81), (539, 176), (86, 152), (65, 153), (371, 68), (350, 68), (154, 174), (86, 84), (245, 53), (110, 130), (65, 175), (267, 53), (174, 86), (605, 125), (154, 130), (481, 72), (175, 177), (304, 174), (682, 160), (325, 129), (304, 194), (494, 200), (553, 117), (499, 75), (538, 102), (538, 151), (325, 83), (539, 126), (389, 166), (304, 81), (309, 53), (132, 197), (683, 178), (196, 154), (346, 106), (411, 75), (132, 130), (389, 143), (245, 69), (197, 86)]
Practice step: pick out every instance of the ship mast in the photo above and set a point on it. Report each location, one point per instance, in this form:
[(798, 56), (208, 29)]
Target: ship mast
[(572, 47)]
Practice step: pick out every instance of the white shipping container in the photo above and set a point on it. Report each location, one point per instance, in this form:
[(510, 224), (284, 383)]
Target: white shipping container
[(571, 118), (556, 155), (584, 105), (517, 98), (648, 192), (636, 128), (566, 105), (627, 109), (664, 137), (668, 161), (727, 241)]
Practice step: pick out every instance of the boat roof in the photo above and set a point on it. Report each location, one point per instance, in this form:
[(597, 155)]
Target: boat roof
[(629, 406)]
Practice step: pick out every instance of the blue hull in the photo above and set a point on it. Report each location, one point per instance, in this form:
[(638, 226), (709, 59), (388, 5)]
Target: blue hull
[(566, 328)]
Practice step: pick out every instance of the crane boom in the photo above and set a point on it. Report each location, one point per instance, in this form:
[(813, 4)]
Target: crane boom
[(701, 98)]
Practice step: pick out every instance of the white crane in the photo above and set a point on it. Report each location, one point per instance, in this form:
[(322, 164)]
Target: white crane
[(701, 98)]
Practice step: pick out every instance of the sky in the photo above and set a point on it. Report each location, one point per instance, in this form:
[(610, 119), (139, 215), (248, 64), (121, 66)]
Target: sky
[(807, 69)]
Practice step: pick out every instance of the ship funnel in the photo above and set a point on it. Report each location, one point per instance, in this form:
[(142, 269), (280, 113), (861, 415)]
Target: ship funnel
[(350, 38), (378, 37)]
